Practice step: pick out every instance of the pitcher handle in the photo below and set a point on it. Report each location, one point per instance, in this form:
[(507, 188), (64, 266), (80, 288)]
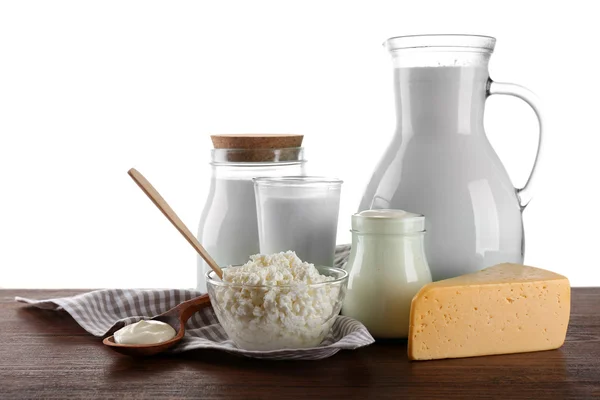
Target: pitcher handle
[(524, 194)]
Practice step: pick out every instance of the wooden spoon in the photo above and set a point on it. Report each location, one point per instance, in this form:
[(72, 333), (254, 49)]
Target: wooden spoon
[(171, 216), (176, 317)]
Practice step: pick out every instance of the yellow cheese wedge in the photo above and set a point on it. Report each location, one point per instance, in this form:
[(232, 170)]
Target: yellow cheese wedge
[(508, 308)]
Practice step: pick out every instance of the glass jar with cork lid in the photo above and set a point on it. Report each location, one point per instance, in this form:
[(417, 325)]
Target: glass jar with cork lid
[(228, 224)]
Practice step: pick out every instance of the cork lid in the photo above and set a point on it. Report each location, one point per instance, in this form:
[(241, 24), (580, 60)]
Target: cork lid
[(256, 141), (257, 148)]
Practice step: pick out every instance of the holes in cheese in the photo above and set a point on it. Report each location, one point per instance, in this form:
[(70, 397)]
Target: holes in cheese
[(507, 308)]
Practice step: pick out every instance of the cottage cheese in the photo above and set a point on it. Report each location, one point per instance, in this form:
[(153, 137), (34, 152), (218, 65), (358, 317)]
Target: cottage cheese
[(271, 304)]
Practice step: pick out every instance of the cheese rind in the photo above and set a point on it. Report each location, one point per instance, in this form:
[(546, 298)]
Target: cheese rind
[(508, 308)]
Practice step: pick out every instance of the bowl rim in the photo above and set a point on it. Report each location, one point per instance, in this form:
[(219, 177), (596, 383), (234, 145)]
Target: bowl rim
[(344, 277)]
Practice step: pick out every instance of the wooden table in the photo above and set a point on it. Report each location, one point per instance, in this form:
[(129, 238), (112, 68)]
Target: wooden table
[(46, 354)]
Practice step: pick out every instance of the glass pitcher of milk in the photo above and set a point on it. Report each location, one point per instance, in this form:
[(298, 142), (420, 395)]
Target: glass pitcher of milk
[(440, 162)]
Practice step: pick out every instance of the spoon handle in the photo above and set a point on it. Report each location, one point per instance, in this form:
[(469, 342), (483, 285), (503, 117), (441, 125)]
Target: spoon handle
[(185, 310), (190, 307), (162, 205)]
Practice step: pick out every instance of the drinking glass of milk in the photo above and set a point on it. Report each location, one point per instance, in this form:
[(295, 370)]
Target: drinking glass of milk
[(298, 213)]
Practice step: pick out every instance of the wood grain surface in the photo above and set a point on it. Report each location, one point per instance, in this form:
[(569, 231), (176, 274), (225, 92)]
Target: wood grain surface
[(45, 354)]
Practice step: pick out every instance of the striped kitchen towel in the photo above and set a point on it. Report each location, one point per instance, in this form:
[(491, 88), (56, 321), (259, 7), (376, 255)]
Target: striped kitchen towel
[(102, 312), (342, 253)]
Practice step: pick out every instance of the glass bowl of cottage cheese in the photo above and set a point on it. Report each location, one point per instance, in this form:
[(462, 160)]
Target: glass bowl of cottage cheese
[(277, 301)]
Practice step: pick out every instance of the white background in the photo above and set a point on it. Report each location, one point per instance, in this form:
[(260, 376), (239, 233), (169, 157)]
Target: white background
[(90, 89)]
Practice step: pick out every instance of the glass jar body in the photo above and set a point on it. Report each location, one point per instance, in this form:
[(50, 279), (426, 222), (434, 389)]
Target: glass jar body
[(385, 272), (228, 224)]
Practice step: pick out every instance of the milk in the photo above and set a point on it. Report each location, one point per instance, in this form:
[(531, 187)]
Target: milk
[(300, 219), (228, 226), (434, 100), (387, 267), (440, 164)]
